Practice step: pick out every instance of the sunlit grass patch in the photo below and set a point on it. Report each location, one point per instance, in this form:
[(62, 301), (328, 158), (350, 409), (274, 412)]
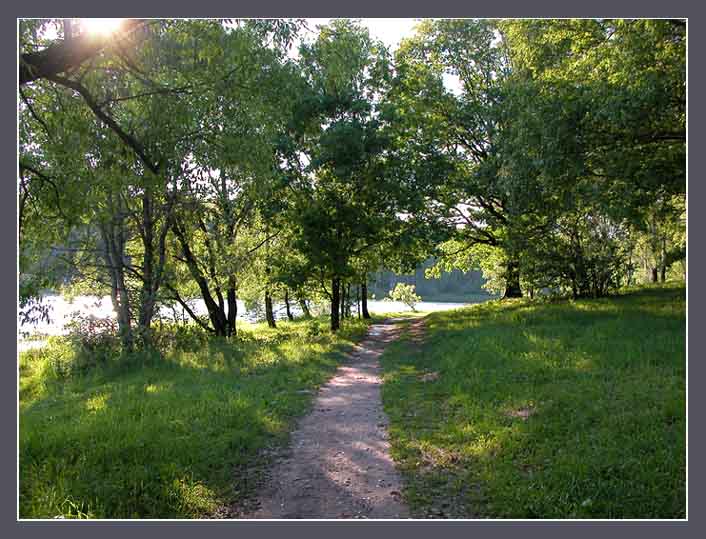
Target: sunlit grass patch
[(550, 409)]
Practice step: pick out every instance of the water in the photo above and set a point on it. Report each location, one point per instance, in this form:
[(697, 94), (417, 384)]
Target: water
[(63, 311), (381, 307)]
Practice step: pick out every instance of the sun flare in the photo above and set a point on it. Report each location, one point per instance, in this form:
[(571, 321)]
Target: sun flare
[(101, 26)]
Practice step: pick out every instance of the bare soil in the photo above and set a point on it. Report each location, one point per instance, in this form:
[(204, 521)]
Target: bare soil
[(338, 464)]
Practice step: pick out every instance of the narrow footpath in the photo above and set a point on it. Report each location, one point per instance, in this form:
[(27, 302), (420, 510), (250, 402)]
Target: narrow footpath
[(338, 464)]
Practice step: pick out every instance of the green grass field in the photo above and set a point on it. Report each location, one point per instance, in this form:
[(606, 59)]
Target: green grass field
[(162, 437), (544, 410)]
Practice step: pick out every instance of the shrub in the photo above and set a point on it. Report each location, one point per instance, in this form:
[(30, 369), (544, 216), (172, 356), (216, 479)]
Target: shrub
[(313, 329), (185, 337), (94, 340), (405, 293)]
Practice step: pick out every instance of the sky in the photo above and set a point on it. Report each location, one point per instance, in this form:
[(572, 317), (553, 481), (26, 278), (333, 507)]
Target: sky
[(389, 31)]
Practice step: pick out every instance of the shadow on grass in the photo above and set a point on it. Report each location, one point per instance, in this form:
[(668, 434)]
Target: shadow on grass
[(168, 437)]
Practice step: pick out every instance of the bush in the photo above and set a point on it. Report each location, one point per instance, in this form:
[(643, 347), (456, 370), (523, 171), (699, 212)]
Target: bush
[(94, 340), (184, 337), (405, 294), (313, 329)]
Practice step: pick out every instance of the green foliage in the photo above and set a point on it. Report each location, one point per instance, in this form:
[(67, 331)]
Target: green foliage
[(457, 254), (560, 129), (544, 409)]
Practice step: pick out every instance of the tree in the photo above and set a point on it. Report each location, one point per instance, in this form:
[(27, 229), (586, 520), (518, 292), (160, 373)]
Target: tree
[(615, 95), (344, 201), (556, 124), (457, 137), (149, 131)]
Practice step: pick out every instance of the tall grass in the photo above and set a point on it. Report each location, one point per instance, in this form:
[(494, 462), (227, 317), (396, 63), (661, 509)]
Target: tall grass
[(553, 410), (181, 434)]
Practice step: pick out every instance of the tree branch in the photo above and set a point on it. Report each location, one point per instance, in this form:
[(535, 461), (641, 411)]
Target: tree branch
[(69, 53), (128, 139)]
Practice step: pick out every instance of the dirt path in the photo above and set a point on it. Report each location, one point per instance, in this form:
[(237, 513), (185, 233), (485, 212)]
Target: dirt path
[(338, 464)]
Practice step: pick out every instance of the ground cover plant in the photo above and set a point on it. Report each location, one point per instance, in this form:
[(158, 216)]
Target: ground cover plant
[(544, 409), (164, 437)]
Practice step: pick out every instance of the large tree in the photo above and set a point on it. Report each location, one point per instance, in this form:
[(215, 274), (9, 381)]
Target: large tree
[(456, 135), (335, 154)]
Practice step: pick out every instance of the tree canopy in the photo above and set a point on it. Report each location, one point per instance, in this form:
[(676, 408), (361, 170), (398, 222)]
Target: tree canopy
[(174, 160)]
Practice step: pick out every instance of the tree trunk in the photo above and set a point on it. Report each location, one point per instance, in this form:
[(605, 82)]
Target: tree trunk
[(348, 300), (663, 265), (342, 304), (364, 300), (286, 305), (215, 313), (153, 259), (335, 303), (269, 314), (654, 274), (357, 299), (147, 295), (512, 280), (123, 311), (232, 307), (304, 308), (345, 311), (113, 234)]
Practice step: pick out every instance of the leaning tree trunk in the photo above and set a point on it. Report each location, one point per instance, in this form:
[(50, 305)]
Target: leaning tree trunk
[(512, 280), (216, 313), (286, 305), (364, 299), (269, 314), (304, 307), (335, 303)]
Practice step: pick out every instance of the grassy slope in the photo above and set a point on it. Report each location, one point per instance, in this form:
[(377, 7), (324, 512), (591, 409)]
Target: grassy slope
[(603, 382), (177, 437)]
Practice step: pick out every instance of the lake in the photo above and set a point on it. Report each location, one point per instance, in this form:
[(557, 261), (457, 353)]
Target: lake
[(62, 311)]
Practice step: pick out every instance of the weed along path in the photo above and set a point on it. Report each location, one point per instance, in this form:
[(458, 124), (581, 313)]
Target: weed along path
[(338, 464)]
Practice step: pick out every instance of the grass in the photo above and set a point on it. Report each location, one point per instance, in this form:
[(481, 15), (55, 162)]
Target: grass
[(544, 409), (181, 435)]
